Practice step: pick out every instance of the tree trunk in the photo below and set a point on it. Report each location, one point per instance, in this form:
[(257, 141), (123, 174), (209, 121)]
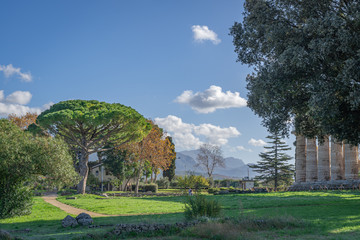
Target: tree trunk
[(126, 184), (276, 167), (84, 170), (155, 177), (137, 182)]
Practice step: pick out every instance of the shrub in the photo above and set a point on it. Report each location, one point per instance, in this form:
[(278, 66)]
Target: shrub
[(174, 183), (164, 183), (15, 200), (192, 181), (67, 191), (146, 187), (199, 206), (92, 180), (150, 187), (213, 190), (116, 183)]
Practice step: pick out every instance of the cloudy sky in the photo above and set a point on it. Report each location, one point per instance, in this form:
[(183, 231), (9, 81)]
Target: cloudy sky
[(172, 61)]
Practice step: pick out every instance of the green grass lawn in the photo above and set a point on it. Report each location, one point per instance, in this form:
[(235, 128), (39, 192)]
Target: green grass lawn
[(329, 215)]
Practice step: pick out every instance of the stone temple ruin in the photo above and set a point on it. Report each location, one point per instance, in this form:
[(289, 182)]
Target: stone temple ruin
[(330, 165)]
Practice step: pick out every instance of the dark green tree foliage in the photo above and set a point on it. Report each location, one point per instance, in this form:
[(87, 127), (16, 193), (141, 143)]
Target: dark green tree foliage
[(118, 162), (273, 166), (88, 126), (23, 156), (115, 162), (306, 59), (170, 172)]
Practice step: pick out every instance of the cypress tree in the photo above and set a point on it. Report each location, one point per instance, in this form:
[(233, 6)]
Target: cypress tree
[(170, 172)]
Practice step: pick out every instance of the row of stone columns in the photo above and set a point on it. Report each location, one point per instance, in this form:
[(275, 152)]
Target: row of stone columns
[(314, 163)]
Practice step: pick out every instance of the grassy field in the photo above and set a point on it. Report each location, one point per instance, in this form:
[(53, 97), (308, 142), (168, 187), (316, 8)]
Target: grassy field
[(322, 215)]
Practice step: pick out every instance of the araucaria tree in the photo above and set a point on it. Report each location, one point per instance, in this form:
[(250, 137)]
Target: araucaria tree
[(89, 126), (306, 63), (274, 167), (210, 157)]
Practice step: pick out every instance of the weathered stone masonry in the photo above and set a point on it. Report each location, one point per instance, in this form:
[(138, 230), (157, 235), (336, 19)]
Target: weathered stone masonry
[(330, 164)]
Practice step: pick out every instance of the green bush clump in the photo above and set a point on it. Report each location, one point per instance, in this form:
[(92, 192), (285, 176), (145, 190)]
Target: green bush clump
[(163, 183), (153, 187), (67, 191), (15, 200), (213, 190), (193, 181), (199, 206)]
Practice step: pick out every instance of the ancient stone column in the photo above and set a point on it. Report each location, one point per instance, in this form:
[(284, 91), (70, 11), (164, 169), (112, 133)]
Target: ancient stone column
[(324, 160), (337, 160), (311, 160), (351, 162), (300, 159)]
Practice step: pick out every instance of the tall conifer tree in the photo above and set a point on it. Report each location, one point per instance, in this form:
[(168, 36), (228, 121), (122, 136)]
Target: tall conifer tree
[(170, 172), (273, 166)]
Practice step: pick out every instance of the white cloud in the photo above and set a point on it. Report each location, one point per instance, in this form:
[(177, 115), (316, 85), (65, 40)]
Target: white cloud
[(203, 33), (180, 131), (257, 143), (15, 104), (211, 99), (242, 148), (10, 70), (19, 97), (187, 136), (215, 134)]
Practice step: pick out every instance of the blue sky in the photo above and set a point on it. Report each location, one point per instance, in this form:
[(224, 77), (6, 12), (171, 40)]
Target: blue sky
[(172, 61)]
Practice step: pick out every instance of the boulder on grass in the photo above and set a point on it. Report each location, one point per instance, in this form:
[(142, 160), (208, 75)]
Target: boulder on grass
[(84, 219), (69, 221)]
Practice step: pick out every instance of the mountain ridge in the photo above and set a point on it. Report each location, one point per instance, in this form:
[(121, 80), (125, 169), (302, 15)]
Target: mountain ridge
[(234, 167)]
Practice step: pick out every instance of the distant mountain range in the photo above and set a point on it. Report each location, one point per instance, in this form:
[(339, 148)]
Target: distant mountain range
[(235, 167), (186, 160)]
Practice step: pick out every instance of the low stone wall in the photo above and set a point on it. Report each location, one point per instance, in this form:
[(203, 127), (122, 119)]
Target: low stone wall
[(143, 228), (142, 194), (326, 185)]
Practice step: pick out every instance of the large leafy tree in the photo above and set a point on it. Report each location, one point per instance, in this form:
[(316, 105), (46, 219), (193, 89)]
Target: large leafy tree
[(306, 59), (274, 167), (118, 163), (155, 150), (88, 126), (24, 156)]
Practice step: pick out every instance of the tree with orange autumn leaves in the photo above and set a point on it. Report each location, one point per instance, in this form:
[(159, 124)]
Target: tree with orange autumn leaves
[(24, 121), (155, 149)]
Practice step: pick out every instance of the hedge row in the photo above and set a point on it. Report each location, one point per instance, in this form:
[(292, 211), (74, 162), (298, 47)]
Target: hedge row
[(146, 187)]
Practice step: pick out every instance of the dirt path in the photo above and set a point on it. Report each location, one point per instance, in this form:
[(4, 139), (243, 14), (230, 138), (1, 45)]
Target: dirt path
[(69, 209)]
